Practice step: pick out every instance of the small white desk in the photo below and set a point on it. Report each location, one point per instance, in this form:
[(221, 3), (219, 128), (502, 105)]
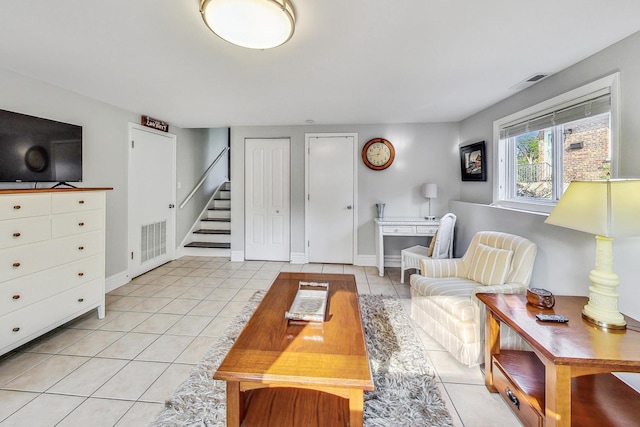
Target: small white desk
[(400, 226)]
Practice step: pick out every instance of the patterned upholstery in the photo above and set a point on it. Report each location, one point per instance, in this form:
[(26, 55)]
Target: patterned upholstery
[(443, 298), (441, 246)]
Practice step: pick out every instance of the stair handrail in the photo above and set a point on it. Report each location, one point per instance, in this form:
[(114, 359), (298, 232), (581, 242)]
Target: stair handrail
[(205, 175)]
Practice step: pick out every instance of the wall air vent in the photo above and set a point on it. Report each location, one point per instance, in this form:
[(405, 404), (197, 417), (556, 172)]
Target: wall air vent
[(153, 241), (535, 78)]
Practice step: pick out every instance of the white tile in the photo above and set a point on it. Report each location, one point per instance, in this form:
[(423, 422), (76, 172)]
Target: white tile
[(132, 381), (165, 349), (167, 383), (58, 340), (180, 305), (18, 363), (450, 370), (91, 321), (126, 303), (97, 413), (129, 346), (208, 308), (157, 323), (92, 344), (477, 407), (222, 294), (46, 374), (216, 328), (195, 351), (140, 414), (126, 321), (44, 411), (152, 305), (14, 400), (190, 325), (89, 377)]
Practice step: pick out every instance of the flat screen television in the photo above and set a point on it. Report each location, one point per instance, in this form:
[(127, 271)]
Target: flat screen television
[(33, 149)]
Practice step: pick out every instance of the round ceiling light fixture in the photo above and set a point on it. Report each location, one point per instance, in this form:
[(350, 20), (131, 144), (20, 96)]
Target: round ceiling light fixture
[(255, 24)]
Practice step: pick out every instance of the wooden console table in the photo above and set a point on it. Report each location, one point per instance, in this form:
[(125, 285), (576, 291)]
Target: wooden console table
[(400, 227), (566, 379)]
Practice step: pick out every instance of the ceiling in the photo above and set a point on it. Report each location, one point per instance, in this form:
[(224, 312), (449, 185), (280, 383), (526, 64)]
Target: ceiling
[(349, 62)]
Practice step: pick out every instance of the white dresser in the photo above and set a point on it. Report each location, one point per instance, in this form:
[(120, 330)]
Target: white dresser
[(52, 260)]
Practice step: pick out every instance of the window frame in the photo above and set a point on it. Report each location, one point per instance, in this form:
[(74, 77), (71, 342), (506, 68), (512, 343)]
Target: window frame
[(503, 168)]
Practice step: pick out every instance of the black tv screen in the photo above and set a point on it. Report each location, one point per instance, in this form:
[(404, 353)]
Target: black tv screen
[(33, 149)]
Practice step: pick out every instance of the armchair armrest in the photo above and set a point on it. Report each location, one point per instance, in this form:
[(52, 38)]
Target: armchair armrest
[(447, 267)]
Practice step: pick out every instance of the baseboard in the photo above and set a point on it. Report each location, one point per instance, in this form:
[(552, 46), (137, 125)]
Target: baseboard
[(392, 260), (365, 260), (237, 256), (115, 281), (299, 258)]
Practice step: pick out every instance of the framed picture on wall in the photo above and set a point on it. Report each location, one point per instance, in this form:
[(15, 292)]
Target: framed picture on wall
[(473, 163)]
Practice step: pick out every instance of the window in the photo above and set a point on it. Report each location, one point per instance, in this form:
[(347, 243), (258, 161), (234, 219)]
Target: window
[(543, 148)]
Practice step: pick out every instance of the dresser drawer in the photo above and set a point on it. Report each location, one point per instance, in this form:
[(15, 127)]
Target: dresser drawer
[(516, 399), (399, 229), (76, 223), (29, 259), (17, 232), (18, 293), (76, 201), (20, 325), (24, 205)]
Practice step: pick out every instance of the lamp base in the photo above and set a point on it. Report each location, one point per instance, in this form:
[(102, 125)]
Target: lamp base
[(602, 324), (602, 308)]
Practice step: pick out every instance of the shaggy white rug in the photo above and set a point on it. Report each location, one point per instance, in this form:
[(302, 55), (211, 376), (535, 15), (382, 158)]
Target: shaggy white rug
[(405, 390)]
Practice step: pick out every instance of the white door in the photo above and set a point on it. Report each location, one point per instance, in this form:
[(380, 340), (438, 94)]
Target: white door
[(267, 199), (330, 205), (152, 174)]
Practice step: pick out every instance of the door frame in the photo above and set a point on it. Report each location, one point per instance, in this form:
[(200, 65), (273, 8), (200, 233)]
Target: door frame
[(356, 144), (171, 249)]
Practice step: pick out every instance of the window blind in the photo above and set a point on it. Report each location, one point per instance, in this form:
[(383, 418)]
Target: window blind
[(589, 105)]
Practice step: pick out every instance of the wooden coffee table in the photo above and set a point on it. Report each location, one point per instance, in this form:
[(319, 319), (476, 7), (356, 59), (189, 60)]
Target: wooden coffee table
[(279, 373)]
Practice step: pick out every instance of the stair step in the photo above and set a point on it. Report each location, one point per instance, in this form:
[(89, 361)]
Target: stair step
[(212, 232), (208, 245), (216, 219), (219, 209)]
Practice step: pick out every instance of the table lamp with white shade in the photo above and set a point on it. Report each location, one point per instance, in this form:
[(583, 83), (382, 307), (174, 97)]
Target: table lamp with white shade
[(608, 209), (430, 191)]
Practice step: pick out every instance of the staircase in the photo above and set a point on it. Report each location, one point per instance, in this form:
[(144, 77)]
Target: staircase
[(213, 236)]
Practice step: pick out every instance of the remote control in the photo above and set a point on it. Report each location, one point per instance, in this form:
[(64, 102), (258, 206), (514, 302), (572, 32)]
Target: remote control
[(556, 318)]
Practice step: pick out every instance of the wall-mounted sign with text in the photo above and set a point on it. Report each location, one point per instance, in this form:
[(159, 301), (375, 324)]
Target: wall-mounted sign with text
[(154, 123)]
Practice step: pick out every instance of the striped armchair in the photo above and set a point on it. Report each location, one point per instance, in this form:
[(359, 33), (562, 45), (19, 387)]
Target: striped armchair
[(443, 300)]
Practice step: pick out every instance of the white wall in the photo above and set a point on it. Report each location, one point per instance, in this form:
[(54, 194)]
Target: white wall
[(105, 150), (424, 153), (565, 257)]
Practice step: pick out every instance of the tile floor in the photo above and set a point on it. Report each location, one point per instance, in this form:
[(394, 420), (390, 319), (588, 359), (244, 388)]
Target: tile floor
[(119, 370)]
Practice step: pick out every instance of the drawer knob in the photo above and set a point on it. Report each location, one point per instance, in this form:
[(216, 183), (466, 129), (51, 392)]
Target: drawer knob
[(16, 297), (81, 224), (81, 202), (81, 248), (80, 299), (16, 207), (80, 274), (16, 329), (512, 397), (16, 234), (16, 264)]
